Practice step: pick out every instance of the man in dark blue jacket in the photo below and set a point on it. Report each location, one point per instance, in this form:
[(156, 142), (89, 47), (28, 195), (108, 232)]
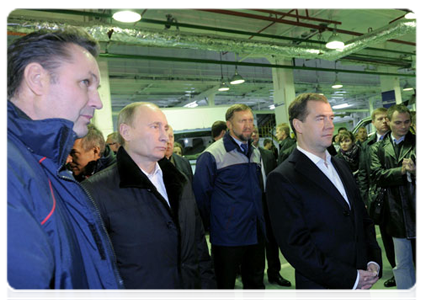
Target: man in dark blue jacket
[(149, 209), (228, 189), (56, 238)]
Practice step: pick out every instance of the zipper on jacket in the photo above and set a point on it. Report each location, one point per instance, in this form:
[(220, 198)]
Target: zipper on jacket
[(110, 246)]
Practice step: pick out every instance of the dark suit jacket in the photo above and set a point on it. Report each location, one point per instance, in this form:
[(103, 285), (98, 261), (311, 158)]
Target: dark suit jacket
[(320, 236), (269, 160), (183, 165), (283, 146)]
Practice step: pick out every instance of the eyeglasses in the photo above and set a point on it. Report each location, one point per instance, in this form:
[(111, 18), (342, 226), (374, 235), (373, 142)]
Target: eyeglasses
[(111, 144)]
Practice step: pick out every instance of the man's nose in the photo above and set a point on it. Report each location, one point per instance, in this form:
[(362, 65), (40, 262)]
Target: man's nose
[(95, 100)]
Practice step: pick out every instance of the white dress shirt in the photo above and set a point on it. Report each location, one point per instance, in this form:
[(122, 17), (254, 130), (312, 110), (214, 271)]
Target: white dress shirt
[(156, 177), (326, 166)]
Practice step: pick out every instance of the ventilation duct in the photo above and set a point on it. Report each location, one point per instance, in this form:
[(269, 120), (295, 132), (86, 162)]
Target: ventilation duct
[(177, 39)]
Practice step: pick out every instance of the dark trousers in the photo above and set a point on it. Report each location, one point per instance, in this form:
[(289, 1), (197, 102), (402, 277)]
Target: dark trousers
[(272, 248), (388, 244), (228, 259)]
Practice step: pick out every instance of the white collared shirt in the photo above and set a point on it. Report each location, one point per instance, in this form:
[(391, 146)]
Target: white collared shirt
[(156, 178), (328, 169)]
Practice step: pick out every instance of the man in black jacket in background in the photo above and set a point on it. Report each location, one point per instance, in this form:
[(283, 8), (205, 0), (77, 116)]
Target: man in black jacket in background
[(181, 163), (393, 166), (272, 249), (90, 154), (149, 209)]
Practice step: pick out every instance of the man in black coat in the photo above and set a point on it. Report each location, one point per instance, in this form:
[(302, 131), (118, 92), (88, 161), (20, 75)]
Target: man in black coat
[(318, 217), (284, 138), (368, 186), (393, 166), (149, 209), (181, 163), (272, 249)]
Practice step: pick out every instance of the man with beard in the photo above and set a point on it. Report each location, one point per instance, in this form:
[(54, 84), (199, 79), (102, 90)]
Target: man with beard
[(228, 188)]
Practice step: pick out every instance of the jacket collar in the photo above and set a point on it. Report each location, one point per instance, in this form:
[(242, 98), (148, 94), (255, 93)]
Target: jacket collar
[(132, 177), (230, 144), (409, 143), (308, 169), (52, 138)]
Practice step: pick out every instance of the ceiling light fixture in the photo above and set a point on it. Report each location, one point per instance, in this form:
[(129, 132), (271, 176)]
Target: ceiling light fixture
[(191, 104), (223, 85), (126, 16), (407, 87), (237, 79), (337, 84), (335, 41), (343, 105), (411, 16)]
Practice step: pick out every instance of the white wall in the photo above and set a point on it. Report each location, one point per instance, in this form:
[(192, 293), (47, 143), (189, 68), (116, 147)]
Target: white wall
[(194, 118)]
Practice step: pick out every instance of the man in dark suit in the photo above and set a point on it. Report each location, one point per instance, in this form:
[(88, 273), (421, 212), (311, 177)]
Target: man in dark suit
[(319, 220), (272, 249), (181, 163), (284, 138)]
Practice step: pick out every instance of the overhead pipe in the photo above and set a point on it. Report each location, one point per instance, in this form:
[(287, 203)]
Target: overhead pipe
[(208, 28), (245, 64), (151, 38), (317, 27)]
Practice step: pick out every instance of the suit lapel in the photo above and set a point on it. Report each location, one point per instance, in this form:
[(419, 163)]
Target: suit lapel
[(308, 169), (405, 149)]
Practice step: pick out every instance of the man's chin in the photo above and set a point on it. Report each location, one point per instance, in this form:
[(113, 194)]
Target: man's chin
[(245, 138), (80, 132)]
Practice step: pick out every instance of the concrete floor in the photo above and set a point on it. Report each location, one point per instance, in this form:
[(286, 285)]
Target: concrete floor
[(273, 292)]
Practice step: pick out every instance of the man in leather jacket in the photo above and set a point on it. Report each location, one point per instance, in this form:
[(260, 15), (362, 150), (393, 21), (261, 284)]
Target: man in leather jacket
[(393, 167)]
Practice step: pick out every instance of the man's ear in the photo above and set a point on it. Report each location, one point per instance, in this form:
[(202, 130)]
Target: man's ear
[(297, 125), (35, 78), (229, 125), (97, 152), (125, 131)]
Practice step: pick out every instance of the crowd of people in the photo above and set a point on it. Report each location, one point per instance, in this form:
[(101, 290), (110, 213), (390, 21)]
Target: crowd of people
[(128, 212)]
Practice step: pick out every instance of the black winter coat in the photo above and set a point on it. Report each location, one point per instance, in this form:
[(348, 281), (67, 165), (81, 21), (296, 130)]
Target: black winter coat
[(400, 198), (366, 185), (157, 247)]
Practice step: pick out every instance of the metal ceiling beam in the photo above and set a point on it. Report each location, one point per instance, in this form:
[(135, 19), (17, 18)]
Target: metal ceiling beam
[(200, 96), (317, 27), (246, 64), (207, 28), (296, 16)]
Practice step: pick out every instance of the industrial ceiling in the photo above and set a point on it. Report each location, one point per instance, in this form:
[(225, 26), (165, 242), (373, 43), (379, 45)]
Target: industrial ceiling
[(173, 57)]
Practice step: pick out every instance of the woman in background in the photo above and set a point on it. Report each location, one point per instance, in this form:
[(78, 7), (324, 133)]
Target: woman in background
[(349, 150)]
